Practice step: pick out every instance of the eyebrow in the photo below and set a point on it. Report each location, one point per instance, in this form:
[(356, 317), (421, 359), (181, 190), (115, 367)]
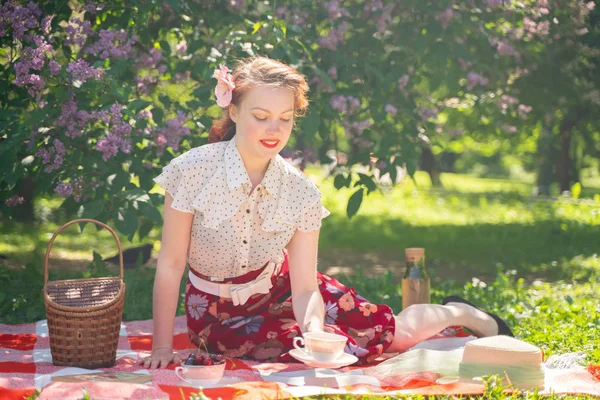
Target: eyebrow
[(267, 111)]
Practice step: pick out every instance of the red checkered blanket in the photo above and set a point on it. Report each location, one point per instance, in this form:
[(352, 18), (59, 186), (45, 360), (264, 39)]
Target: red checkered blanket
[(26, 366)]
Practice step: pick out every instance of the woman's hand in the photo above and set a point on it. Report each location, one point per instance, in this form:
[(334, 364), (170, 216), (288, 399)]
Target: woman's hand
[(160, 358)]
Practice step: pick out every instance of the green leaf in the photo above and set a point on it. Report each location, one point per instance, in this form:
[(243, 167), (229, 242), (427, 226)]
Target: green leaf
[(158, 115), (137, 105), (92, 209), (311, 123), (120, 180), (341, 180), (150, 212), (354, 202), (126, 221), (165, 100), (576, 190), (367, 181), (256, 27), (145, 228)]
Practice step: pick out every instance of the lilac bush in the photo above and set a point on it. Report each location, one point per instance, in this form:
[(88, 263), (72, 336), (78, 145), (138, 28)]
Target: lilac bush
[(96, 99)]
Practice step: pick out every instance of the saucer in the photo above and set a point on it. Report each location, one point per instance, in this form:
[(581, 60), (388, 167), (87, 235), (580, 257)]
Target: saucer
[(344, 360)]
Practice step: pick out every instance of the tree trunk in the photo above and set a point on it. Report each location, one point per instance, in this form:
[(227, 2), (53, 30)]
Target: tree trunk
[(566, 173), (25, 212), (564, 163), (429, 164), (545, 150)]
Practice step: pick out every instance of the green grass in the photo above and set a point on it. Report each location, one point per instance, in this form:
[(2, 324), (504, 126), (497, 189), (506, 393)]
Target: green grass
[(535, 263)]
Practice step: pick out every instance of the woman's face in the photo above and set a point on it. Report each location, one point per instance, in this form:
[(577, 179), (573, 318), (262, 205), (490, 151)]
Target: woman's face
[(264, 120)]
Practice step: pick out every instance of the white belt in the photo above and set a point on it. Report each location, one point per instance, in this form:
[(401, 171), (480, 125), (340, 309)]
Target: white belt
[(238, 293)]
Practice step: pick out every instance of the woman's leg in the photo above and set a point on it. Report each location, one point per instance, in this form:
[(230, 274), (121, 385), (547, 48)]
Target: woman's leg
[(422, 321)]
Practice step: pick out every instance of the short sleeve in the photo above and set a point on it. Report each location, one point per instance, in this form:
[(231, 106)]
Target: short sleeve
[(173, 181), (311, 220)]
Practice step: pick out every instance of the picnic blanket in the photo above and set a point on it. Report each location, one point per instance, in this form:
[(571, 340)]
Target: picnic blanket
[(26, 366)]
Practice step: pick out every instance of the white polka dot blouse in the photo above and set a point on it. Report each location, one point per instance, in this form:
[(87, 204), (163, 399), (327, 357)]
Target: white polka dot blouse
[(235, 231)]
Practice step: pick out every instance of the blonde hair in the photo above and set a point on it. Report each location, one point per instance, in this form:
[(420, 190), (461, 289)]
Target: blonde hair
[(260, 71)]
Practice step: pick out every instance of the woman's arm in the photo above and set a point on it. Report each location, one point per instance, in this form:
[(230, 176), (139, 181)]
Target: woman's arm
[(170, 267), (307, 301)]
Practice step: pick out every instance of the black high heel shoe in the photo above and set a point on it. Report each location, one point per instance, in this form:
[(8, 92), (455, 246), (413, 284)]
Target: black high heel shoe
[(503, 328)]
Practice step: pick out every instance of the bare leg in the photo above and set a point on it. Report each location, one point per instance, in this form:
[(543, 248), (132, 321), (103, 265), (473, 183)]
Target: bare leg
[(421, 321)]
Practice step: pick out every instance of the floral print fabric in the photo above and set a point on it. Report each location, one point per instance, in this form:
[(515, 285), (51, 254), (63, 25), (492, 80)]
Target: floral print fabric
[(263, 328)]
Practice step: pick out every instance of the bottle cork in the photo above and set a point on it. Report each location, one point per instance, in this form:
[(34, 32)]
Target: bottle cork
[(414, 254)]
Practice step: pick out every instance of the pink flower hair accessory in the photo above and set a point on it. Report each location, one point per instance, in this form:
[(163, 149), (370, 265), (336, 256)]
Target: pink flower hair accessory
[(225, 86)]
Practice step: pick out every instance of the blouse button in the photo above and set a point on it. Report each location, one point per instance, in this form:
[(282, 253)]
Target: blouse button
[(243, 266), (258, 189), (245, 242), (248, 211)]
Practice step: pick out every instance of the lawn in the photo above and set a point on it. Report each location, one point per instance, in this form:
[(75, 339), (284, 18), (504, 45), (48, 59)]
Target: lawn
[(533, 262)]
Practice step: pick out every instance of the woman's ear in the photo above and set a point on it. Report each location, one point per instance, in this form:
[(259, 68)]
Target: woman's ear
[(233, 113)]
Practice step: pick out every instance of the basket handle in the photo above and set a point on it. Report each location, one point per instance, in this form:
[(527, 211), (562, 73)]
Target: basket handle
[(59, 230)]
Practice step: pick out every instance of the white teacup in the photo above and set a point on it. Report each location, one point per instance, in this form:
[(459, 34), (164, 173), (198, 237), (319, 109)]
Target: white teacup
[(200, 375), (322, 346)]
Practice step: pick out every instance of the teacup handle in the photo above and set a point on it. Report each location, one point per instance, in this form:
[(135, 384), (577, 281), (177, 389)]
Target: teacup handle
[(297, 341), (182, 370)]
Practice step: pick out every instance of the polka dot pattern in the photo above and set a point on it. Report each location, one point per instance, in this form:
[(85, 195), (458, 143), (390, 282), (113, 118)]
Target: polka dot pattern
[(236, 231)]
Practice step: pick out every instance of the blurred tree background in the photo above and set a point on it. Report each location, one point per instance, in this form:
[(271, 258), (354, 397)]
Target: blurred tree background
[(97, 97)]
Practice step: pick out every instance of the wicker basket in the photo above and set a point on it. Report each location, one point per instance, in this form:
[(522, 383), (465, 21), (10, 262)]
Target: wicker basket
[(84, 315)]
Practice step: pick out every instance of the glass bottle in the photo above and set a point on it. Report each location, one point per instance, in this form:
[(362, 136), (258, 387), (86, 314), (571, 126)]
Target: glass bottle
[(415, 282)]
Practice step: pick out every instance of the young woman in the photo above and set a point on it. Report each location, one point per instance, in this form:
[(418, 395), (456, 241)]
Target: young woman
[(247, 224)]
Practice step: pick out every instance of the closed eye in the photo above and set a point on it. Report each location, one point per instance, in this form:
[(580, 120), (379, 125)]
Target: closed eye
[(260, 119)]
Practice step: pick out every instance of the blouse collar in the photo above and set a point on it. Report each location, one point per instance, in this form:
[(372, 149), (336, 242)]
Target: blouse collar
[(237, 175)]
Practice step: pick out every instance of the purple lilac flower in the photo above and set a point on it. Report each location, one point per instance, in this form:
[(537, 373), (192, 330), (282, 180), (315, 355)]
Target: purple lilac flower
[(52, 156), (82, 71), (54, 67), (403, 81), (360, 126), (335, 10), (445, 17), (372, 6), (390, 109), (64, 189), (180, 77), (474, 79), (524, 110), (144, 114), (14, 201), (334, 37), (332, 72), (506, 101), (385, 18), (46, 24), (92, 7), (511, 129), (338, 103), (151, 59), (143, 84), (111, 144), (173, 132), (78, 32), (19, 18), (75, 120), (33, 58), (428, 113), (112, 44), (494, 3), (504, 49)]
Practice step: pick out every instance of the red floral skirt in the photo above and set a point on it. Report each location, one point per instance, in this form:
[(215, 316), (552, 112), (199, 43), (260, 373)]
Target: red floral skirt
[(263, 328)]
